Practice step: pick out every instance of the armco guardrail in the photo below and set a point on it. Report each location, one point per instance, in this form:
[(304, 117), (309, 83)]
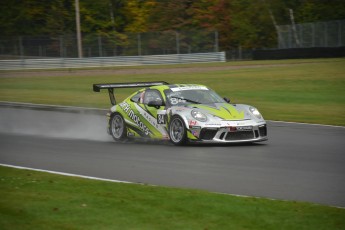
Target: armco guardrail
[(56, 63)]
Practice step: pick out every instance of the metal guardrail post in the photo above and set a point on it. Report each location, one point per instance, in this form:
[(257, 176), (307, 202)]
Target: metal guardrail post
[(100, 46), (177, 43), (216, 41), (61, 46), (139, 44), (21, 48)]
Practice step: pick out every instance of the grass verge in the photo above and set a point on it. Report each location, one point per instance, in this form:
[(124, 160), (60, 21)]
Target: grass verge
[(309, 91), (36, 200)]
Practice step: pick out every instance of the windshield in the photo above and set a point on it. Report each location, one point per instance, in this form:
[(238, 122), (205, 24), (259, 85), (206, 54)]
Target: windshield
[(199, 95)]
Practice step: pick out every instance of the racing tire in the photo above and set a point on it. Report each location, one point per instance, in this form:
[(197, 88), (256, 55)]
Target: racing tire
[(177, 131), (117, 127)]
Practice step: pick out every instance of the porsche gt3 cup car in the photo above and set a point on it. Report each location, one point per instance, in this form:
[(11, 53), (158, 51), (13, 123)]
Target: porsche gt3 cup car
[(181, 113)]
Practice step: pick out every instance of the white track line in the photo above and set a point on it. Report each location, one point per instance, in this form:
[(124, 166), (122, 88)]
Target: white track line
[(66, 174), (127, 182)]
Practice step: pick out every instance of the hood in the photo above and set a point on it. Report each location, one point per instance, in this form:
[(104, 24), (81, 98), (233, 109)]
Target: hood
[(222, 110)]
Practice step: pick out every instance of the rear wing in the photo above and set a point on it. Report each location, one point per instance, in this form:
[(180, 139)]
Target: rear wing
[(112, 86)]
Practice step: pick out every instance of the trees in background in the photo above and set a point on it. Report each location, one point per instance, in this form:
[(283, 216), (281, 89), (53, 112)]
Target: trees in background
[(245, 23)]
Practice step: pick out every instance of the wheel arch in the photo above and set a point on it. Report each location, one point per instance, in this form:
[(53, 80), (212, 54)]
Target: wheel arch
[(184, 140), (110, 127), (184, 118)]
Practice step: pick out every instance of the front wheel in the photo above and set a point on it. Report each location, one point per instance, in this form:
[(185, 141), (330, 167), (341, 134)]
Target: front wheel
[(177, 131), (117, 127)]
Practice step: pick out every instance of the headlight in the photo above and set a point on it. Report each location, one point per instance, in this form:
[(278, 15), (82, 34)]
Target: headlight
[(255, 112), (199, 115)]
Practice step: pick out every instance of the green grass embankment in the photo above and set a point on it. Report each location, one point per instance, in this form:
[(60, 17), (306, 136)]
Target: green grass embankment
[(309, 91), (36, 200)]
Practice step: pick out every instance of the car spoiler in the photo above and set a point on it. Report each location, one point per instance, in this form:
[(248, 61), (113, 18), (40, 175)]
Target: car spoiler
[(112, 86)]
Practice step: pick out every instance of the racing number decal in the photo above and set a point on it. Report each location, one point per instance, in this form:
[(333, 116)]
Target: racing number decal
[(160, 119), (176, 100)]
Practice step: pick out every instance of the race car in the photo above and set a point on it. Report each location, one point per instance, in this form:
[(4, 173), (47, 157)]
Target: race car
[(181, 113)]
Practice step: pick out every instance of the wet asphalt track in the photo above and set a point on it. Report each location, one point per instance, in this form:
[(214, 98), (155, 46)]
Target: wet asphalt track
[(299, 162)]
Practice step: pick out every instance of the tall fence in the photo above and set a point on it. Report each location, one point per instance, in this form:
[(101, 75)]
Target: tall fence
[(151, 43), (307, 35)]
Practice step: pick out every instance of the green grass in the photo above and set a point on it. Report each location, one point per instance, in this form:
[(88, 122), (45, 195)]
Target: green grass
[(291, 90), (36, 200), (309, 91)]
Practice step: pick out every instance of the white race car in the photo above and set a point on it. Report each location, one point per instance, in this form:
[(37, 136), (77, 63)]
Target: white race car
[(182, 113)]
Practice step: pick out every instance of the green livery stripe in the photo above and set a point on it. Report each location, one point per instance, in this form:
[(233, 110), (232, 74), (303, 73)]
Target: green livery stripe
[(190, 136), (226, 111), (142, 118), (137, 131)]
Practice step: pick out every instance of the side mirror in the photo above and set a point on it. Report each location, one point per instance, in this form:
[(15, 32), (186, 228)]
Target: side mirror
[(226, 99), (156, 104)]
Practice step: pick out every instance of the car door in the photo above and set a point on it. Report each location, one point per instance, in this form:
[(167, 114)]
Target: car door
[(152, 113)]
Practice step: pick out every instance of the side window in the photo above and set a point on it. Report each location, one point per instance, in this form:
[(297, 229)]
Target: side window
[(152, 95), (136, 97)]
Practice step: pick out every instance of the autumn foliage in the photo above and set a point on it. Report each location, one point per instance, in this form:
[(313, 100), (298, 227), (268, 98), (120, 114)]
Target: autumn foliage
[(245, 23)]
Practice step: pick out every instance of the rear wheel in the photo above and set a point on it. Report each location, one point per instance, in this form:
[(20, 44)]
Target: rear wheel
[(117, 127), (177, 131)]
